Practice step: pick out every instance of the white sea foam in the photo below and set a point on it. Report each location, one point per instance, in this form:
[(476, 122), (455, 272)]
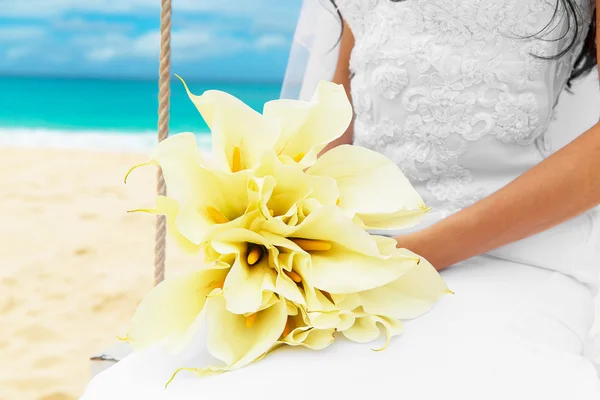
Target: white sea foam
[(109, 141)]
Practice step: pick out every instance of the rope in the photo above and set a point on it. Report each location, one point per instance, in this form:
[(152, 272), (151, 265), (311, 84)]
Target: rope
[(164, 93)]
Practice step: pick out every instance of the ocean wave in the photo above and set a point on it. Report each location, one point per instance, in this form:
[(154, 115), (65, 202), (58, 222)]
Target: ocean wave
[(110, 141)]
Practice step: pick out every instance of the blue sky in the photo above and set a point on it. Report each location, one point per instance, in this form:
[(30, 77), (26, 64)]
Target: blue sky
[(212, 39)]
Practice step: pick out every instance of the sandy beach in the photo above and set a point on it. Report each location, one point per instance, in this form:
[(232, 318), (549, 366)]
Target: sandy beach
[(74, 264)]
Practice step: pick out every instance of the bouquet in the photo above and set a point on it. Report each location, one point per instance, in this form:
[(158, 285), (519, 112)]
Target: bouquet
[(283, 235)]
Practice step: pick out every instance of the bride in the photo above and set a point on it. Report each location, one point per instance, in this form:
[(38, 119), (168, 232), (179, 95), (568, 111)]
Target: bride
[(460, 94)]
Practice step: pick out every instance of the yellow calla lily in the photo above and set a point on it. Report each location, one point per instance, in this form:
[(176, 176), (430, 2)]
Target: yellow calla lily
[(285, 186), (232, 340), (290, 262), (221, 252), (298, 333), (410, 296), (169, 314), (281, 189), (345, 258), (240, 135), (257, 271), (312, 338), (366, 329), (206, 198), (307, 127), (371, 187), (322, 313), (247, 285), (250, 279)]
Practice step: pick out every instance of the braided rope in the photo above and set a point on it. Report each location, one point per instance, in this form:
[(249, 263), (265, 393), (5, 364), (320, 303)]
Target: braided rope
[(164, 93)]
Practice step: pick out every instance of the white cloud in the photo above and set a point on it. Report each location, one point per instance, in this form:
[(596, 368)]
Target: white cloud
[(18, 52), (188, 44), (45, 8), (81, 24), (20, 33), (270, 41), (102, 54), (146, 46)]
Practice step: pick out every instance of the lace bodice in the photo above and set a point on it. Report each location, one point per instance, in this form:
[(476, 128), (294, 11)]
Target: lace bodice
[(452, 90)]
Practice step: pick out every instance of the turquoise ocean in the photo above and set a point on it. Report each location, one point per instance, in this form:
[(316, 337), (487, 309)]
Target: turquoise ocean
[(105, 114)]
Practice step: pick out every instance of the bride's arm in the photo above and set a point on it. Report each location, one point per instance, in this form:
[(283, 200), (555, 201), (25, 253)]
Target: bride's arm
[(342, 77), (559, 188)]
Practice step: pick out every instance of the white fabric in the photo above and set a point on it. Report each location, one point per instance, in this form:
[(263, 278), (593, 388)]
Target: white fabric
[(447, 90), (511, 331), (315, 49)]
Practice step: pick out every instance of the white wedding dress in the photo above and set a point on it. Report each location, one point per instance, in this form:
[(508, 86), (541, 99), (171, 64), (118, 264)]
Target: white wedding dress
[(450, 90)]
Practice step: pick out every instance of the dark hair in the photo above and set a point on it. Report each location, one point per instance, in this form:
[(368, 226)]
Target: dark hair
[(586, 60)]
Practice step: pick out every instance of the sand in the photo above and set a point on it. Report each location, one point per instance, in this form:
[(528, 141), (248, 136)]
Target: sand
[(73, 264)]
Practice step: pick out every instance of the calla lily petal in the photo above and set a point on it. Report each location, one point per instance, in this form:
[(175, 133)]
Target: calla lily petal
[(321, 311), (231, 240), (260, 191), (328, 224), (287, 288), (240, 135), (226, 241), (324, 190), (299, 332), (170, 209), (400, 219), (168, 314), (307, 127), (410, 296), (246, 284), (184, 174), (211, 370), (339, 271), (312, 338), (365, 329), (248, 281), (224, 199), (292, 184), (369, 183), (230, 339), (282, 243)]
